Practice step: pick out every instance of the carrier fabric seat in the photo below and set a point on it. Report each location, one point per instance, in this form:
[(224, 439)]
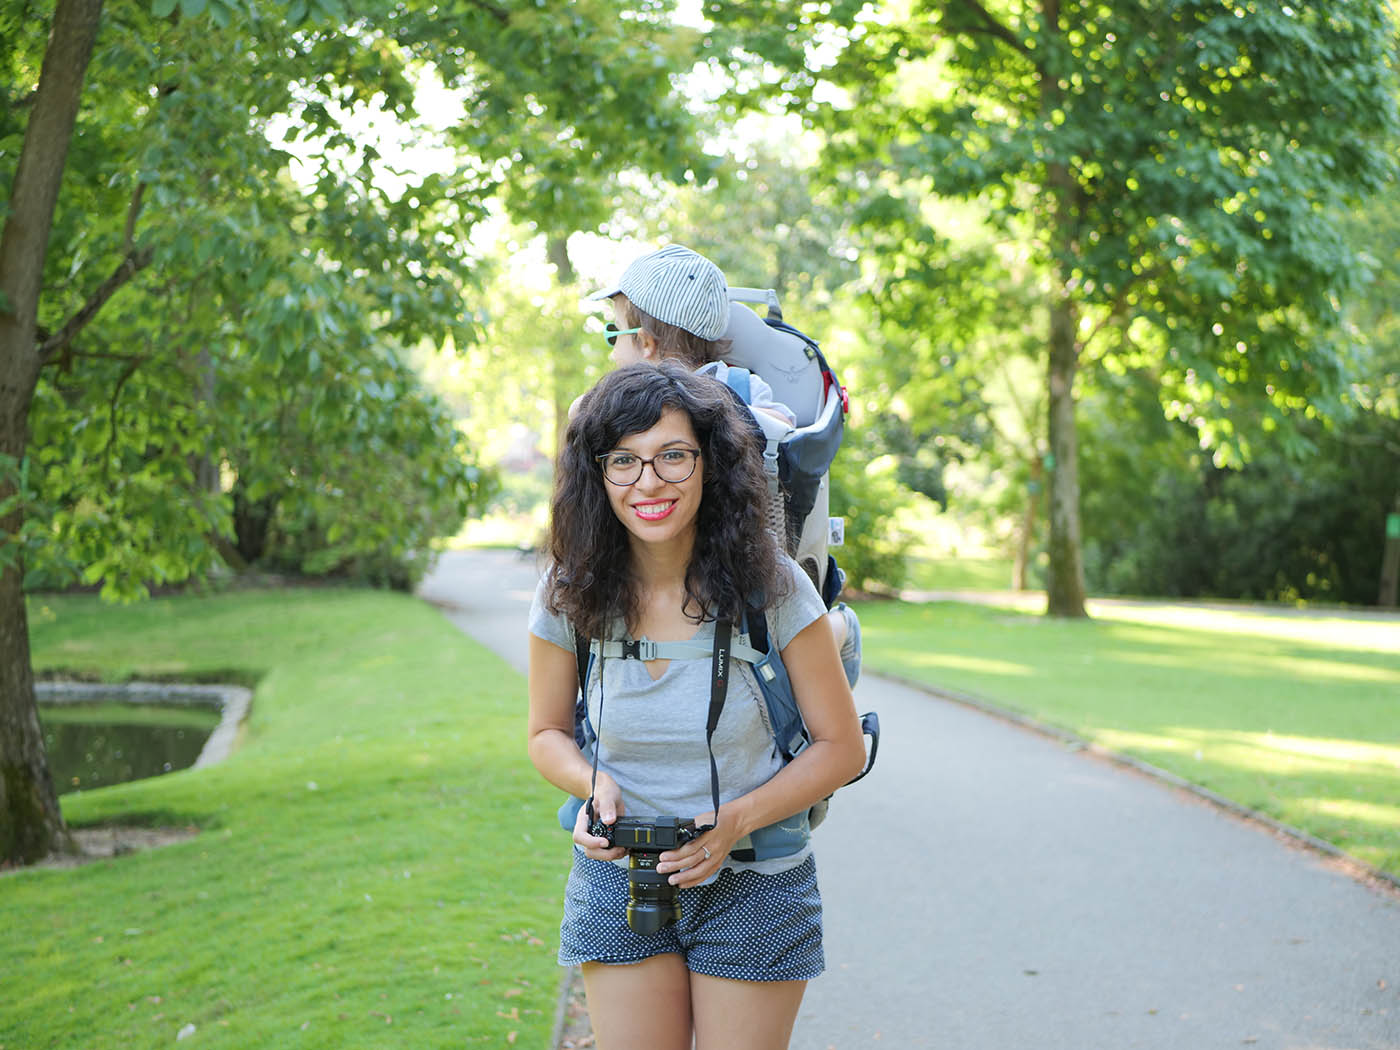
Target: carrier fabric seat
[(781, 358), (794, 367)]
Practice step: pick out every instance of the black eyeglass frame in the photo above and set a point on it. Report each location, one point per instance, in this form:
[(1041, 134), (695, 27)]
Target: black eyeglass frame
[(644, 462)]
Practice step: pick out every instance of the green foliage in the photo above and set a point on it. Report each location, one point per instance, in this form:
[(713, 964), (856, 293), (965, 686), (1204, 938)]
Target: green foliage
[(352, 475), (1157, 182), (1178, 167), (376, 861), (1273, 529), (538, 351), (867, 494), (768, 221), (243, 390)]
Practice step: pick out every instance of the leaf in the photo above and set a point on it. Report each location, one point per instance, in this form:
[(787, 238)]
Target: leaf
[(193, 8), (163, 8)]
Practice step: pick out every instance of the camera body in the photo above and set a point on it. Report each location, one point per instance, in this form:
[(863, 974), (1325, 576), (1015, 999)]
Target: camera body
[(652, 903)]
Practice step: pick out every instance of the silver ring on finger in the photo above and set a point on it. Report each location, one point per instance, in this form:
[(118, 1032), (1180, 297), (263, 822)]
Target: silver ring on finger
[(707, 851)]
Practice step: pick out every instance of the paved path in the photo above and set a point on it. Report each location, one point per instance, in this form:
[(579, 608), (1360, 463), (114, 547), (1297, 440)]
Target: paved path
[(988, 888)]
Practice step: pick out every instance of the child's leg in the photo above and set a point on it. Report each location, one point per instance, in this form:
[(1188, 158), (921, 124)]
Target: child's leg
[(846, 628), (640, 1006), (743, 1015)]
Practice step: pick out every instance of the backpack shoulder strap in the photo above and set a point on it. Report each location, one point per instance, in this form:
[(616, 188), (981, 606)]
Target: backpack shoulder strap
[(581, 658), (756, 623), (784, 717)]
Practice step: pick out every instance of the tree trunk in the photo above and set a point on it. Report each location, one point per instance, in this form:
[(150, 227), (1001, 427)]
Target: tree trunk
[(1020, 573), (252, 523), (206, 467), (566, 365), (31, 824), (1390, 558), (1065, 586)]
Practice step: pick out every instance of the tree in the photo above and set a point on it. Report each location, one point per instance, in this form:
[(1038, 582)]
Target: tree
[(183, 273), (1376, 392), (30, 821), (1175, 169)]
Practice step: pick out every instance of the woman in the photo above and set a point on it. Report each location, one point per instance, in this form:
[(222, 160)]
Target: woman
[(656, 534)]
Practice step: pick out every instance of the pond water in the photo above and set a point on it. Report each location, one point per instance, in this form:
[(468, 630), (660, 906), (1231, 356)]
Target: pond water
[(93, 745), (98, 735)]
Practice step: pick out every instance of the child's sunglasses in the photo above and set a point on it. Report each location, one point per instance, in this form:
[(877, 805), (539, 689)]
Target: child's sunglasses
[(611, 332)]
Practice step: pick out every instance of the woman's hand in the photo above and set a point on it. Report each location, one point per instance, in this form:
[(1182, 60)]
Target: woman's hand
[(700, 858), (607, 806)]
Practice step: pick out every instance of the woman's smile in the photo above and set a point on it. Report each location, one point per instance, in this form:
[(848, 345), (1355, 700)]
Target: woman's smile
[(654, 510)]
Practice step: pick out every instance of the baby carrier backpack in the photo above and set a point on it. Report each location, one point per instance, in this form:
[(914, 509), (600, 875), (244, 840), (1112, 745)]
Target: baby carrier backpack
[(797, 459)]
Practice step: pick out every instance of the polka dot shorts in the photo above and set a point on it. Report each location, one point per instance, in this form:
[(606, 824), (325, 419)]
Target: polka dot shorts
[(743, 926)]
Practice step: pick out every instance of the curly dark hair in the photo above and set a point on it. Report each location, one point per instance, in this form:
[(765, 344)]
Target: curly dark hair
[(734, 563)]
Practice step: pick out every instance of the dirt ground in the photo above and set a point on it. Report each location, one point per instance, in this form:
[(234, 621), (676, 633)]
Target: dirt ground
[(104, 843), (575, 1029)]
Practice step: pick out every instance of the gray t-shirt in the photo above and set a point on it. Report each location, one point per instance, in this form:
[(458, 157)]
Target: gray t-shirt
[(651, 734)]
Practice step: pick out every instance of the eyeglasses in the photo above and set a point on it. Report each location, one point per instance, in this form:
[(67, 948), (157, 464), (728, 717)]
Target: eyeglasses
[(674, 465), (612, 331)]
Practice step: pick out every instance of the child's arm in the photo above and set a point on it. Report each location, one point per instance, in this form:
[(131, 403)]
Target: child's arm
[(762, 400)]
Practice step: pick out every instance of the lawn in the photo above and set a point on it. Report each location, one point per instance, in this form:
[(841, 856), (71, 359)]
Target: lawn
[(983, 573), (378, 864), (1296, 716)]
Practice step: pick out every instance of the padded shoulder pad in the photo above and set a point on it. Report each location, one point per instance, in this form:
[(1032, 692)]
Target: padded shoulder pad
[(738, 380), (780, 358)]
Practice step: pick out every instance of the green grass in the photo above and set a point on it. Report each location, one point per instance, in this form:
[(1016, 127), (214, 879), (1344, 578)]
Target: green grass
[(959, 574), (1296, 717), (378, 863)]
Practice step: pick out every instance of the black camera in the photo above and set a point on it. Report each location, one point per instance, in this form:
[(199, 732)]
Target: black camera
[(651, 900)]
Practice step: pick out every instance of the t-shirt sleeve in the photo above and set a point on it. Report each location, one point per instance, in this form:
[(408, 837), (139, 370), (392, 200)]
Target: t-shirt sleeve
[(552, 627), (801, 607)]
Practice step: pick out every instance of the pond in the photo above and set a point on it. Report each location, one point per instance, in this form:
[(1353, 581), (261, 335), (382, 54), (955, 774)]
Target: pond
[(93, 745), (98, 735)]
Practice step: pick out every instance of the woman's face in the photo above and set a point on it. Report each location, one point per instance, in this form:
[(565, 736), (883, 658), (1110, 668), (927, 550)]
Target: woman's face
[(629, 349), (653, 510)]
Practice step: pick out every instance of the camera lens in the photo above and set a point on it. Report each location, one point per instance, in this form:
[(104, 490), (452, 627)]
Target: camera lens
[(652, 903)]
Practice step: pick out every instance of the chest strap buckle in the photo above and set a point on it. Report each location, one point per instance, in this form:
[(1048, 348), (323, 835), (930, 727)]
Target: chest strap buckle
[(644, 649)]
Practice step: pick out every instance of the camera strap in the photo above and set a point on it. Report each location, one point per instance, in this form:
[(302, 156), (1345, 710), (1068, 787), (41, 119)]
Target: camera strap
[(719, 687)]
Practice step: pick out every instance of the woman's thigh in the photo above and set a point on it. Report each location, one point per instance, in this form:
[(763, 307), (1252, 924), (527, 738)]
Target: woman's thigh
[(640, 1006), (743, 1015)]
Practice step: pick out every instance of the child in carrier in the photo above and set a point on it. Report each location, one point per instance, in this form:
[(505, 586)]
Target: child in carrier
[(673, 305)]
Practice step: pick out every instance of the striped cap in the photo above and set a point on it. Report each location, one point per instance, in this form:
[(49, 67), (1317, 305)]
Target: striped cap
[(679, 286)]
